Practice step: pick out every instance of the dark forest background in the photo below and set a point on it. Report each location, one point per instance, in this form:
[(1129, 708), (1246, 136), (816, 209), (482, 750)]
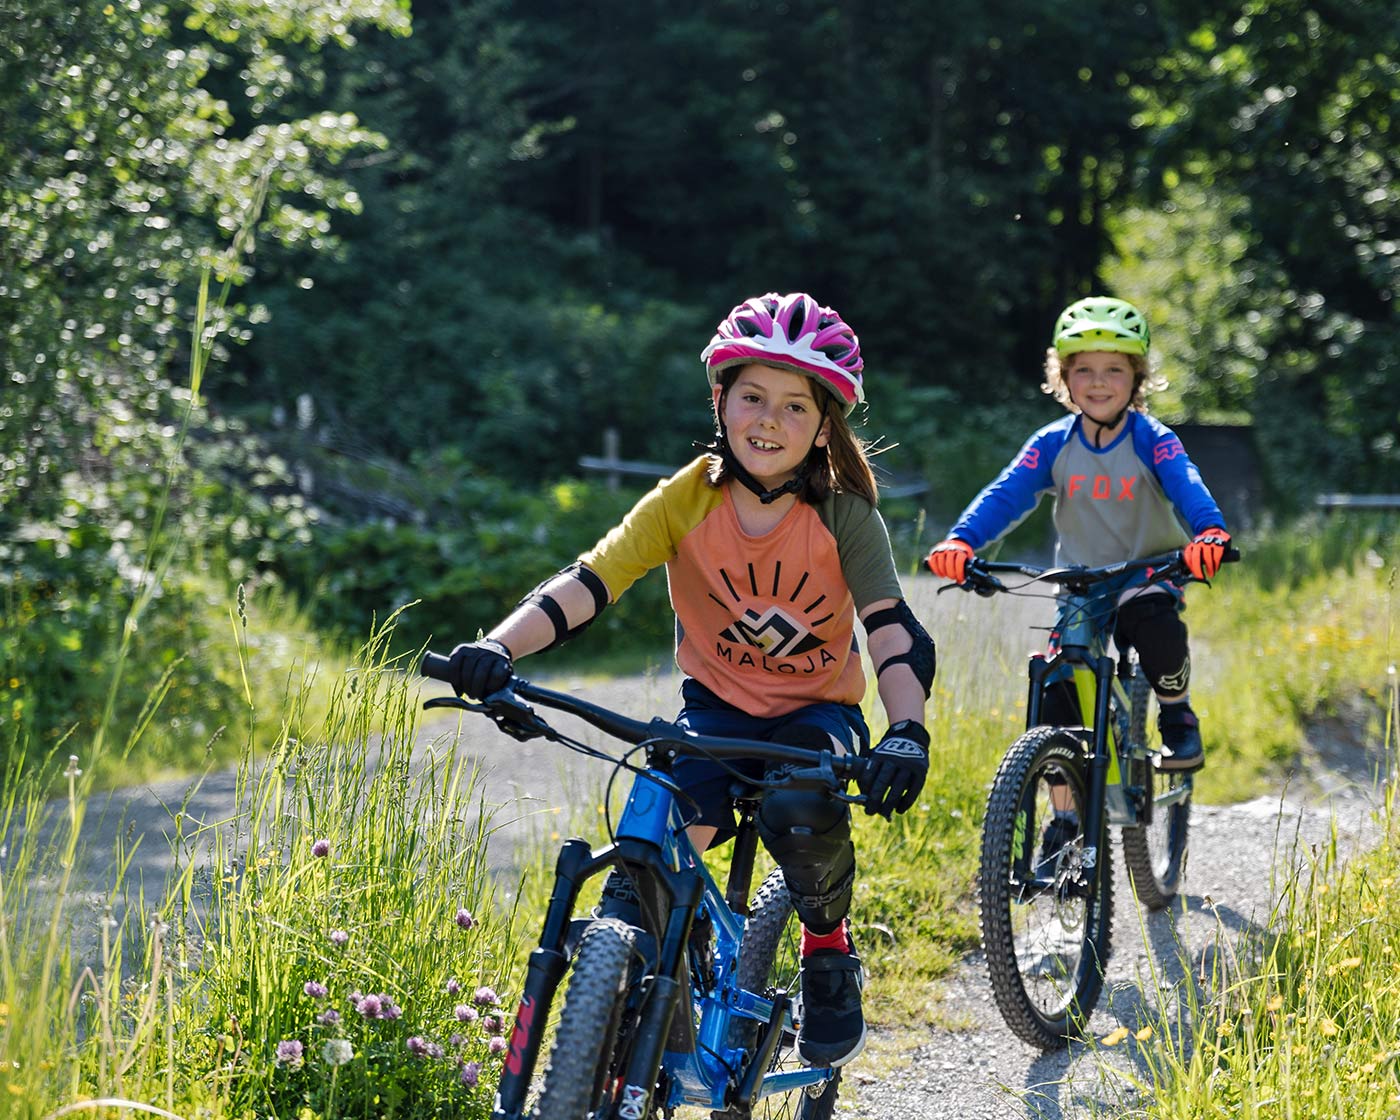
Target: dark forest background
[(446, 249)]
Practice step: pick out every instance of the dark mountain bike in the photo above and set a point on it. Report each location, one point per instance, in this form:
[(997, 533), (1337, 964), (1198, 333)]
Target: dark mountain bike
[(699, 1004), (1046, 915)]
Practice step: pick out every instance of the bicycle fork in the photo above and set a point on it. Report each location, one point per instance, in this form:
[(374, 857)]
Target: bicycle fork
[(680, 895), (547, 964), (1094, 684)]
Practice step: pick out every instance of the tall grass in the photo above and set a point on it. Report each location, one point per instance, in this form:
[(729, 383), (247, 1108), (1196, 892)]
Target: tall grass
[(337, 945), (1307, 1022), (1291, 654)]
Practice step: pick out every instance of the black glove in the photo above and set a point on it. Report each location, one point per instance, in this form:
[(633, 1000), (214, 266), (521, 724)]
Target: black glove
[(896, 770), (479, 668)]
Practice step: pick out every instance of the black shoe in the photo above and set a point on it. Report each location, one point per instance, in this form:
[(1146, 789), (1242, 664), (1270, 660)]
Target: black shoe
[(833, 1025), (1060, 831), (1181, 738)]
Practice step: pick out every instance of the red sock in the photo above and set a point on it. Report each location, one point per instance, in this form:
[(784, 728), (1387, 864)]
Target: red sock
[(836, 939)]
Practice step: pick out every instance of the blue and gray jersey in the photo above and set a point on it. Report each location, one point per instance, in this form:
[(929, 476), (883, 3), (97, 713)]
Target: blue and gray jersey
[(1136, 497)]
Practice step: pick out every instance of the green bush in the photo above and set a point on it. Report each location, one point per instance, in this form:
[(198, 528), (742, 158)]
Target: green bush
[(483, 543)]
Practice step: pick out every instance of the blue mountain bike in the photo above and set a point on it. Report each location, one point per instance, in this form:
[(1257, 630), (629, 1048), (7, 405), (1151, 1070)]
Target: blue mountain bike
[(1046, 915), (698, 1005)]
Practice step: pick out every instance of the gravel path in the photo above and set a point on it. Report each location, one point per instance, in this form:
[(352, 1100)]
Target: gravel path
[(975, 1069), (966, 1064)]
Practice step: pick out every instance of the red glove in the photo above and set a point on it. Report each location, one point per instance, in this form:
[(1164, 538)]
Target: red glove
[(1206, 553), (949, 559)]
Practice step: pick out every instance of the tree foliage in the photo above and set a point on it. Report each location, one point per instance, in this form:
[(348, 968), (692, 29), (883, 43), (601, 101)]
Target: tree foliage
[(127, 178), (1281, 116), (470, 250)]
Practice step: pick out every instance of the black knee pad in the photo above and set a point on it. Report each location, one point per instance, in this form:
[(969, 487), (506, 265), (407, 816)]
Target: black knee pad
[(808, 833), (1153, 626)]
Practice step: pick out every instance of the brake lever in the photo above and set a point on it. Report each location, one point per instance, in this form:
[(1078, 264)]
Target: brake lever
[(823, 773), (505, 709)]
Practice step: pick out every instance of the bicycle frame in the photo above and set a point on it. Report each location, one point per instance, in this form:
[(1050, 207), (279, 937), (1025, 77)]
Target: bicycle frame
[(1046, 919), (652, 848), (1079, 645)]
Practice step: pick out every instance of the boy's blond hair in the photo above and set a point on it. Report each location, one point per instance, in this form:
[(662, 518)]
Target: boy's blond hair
[(1145, 380)]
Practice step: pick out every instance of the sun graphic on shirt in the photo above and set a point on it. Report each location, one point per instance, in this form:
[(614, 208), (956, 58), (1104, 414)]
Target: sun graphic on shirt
[(778, 631)]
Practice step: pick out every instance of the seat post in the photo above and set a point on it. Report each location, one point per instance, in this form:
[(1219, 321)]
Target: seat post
[(736, 894)]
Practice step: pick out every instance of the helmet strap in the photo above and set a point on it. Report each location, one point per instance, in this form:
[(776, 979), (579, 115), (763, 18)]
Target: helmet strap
[(720, 446), (1101, 427)]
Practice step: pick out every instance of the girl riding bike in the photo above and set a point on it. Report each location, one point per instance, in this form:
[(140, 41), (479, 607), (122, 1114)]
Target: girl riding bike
[(1123, 487), (773, 549)]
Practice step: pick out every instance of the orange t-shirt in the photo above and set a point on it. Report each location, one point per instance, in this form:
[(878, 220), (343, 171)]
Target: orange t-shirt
[(765, 622)]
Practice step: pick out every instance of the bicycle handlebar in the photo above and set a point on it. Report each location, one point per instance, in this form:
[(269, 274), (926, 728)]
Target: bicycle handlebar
[(508, 708), (981, 574)]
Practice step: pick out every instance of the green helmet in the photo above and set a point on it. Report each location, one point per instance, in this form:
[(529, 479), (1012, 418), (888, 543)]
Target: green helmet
[(1101, 323)]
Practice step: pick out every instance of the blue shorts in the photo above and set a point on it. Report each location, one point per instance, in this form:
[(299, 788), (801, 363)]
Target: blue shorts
[(706, 783)]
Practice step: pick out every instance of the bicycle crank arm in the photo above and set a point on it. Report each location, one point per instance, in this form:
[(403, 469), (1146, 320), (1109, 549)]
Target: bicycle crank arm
[(763, 1058)]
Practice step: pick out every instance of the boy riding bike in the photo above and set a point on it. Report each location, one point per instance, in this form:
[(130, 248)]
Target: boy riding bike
[(1123, 486), (773, 549)]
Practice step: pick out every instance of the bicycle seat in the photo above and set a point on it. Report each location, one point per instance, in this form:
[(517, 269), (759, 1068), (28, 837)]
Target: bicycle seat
[(744, 794)]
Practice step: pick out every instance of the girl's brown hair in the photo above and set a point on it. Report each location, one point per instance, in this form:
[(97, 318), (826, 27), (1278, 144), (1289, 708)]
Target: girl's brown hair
[(842, 465), (1144, 381)]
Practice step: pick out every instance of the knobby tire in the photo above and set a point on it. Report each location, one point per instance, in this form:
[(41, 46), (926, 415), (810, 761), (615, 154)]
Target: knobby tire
[(1046, 950), (1155, 851), (589, 1053)]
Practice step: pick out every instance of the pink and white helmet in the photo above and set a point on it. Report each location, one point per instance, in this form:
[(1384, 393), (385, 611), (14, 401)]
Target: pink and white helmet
[(793, 332)]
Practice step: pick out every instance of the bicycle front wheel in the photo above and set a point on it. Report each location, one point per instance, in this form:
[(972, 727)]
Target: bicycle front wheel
[(1045, 914), (1155, 850), (591, 1047), (770, 962)]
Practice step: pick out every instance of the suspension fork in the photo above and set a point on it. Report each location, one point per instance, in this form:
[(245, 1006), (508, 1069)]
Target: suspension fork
[(1093, 677), (1094, 681), (547, 964), (670, 982)]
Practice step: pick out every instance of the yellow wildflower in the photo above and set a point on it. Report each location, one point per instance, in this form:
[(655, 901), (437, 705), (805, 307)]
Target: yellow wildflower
[(1114, 1037)]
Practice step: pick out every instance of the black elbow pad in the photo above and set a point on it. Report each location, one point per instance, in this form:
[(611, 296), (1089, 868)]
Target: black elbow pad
[(546, 602), (922, 656)]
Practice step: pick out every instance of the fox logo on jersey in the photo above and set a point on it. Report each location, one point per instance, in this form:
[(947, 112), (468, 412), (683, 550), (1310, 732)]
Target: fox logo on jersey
[(1101, 489)]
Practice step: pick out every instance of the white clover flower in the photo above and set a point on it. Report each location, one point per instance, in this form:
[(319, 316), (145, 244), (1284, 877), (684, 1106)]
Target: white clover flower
[(337, 1051)]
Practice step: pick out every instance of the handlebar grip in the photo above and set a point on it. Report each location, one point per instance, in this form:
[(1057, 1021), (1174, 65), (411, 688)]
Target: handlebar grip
[(436, 666), (1232, 554)]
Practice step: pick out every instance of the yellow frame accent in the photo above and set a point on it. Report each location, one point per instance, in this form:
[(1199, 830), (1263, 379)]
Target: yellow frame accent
[(1084, 687)]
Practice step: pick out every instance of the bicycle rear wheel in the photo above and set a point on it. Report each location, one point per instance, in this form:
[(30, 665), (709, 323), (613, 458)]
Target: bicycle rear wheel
[(1045, 921), (770, 962), (593, 1039), (1155, 851)]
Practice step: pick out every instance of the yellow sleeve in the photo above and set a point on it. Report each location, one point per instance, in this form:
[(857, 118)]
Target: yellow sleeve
[(652, 531)]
